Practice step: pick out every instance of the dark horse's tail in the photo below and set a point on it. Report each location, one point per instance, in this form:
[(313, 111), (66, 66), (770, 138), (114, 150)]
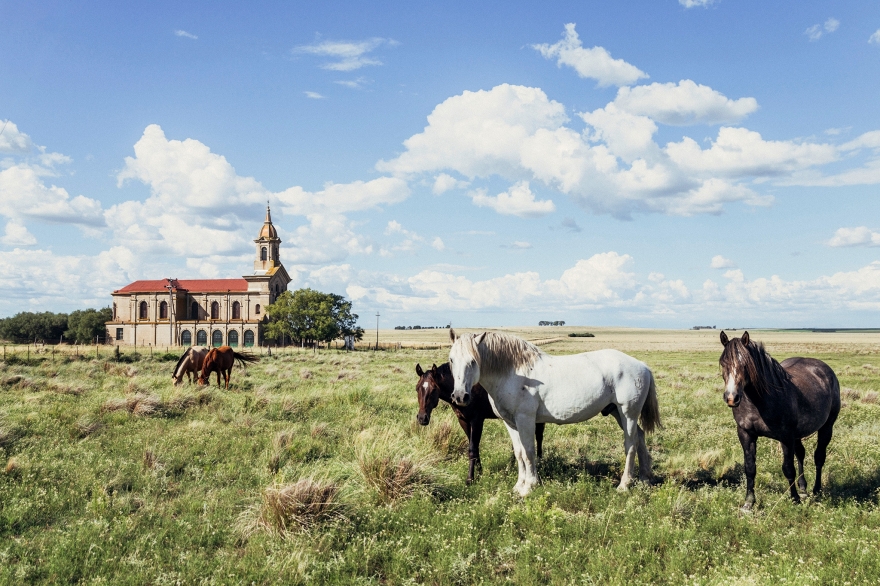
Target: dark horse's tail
[(245, 358), (650, 417)]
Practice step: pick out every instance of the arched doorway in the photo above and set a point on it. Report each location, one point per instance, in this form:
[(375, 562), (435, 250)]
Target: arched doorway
[(163, 310), (236, 310), (217, 339), (215, 310), (202, 338), (232, 339), (248, 339), (143, 311), (186, 338)]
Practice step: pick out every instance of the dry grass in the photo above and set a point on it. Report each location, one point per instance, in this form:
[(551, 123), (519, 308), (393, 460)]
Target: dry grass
[(305, 373), (391, 468), (12, 465), (293, 507), (139, 404), (86, 426), (869, 397), (320, 429), (444, 438), (151, 461)]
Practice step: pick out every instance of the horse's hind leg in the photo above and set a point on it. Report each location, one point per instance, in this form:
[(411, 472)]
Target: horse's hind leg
[(633, 442), (799, 453), (824, 437)]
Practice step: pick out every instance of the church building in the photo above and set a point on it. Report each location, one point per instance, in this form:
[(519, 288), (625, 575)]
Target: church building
[(204, 312)]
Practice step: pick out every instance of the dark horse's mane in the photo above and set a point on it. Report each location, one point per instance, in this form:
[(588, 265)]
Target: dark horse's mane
[(765, 373), (180, 361)]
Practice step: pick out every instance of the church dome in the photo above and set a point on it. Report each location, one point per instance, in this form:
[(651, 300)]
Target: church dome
[(268, 230)]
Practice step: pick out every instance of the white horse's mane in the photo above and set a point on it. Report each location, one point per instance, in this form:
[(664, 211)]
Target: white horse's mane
[(496, 352)]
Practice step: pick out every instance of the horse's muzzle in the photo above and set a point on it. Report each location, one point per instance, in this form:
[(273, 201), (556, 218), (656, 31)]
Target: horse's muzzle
[(732, 401), (423, 418)]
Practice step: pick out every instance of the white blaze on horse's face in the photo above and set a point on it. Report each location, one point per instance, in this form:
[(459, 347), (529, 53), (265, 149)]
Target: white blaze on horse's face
[(732, 388), (465, 373)]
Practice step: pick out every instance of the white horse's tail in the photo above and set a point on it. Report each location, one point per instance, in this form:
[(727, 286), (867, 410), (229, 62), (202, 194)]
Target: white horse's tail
[(650, 417)]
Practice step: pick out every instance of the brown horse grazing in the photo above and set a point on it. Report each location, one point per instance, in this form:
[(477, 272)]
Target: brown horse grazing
[(190, 363), (436, 384), (786, 402), (222, 359)]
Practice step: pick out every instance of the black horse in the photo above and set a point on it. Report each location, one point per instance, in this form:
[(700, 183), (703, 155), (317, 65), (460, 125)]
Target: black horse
[(435, 384), (786, 402)]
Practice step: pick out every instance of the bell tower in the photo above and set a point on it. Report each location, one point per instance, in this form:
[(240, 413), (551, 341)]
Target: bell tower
[(267, 246)]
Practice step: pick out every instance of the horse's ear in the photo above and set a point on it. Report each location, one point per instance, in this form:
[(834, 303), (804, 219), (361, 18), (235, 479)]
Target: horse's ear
[(419, 370), (434, 368), (452, 334), (745, 339), (724, 339), (479, 338)]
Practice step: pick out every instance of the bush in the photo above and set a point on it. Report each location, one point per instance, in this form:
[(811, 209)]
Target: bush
[(581, 335)]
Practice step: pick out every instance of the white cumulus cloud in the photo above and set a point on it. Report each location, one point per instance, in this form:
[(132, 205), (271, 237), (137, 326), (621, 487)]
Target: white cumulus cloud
[(12, 140), (682, 103), (875, 37), (595, 63), (719, 262), (17, 234), (860, 236), (516, 201)]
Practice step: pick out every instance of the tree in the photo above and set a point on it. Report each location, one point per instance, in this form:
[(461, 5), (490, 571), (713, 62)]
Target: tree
[(84, 325), (307, 316), (27, 326)]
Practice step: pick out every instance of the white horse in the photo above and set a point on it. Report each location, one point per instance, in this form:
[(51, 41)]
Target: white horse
[(189, 364), (527, 386)]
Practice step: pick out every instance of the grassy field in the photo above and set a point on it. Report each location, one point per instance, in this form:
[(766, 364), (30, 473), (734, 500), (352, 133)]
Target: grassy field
[(311, 469)]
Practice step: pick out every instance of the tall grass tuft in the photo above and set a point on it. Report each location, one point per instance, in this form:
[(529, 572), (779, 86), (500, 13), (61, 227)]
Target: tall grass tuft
[(293, 507), (392, 469), (86, 426)]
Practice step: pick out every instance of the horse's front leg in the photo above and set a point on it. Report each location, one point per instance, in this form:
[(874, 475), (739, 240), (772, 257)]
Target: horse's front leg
[(475, 437), (788, 470), (518, 455), (525, 425), (749, 443)]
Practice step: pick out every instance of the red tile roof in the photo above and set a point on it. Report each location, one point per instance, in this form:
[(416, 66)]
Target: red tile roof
[(190, 285)]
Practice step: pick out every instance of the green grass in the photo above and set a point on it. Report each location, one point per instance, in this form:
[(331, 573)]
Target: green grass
[(311, 469)]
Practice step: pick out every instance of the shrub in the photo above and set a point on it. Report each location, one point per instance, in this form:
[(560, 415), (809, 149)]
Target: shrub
[(581, 335)]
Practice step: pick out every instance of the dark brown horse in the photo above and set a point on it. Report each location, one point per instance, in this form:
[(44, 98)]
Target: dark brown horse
[(436, 384), (222, 359), (786, 402)]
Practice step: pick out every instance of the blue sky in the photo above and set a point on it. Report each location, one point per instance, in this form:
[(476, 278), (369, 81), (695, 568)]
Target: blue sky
[(663, 164)]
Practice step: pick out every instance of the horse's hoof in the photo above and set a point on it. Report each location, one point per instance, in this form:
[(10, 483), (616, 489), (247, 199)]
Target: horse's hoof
[(746, 508), (622, 487)]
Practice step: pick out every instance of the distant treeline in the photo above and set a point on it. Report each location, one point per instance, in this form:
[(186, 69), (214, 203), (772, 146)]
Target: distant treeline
[(81, 326), (581, 335), (421, 327), (551, 323)]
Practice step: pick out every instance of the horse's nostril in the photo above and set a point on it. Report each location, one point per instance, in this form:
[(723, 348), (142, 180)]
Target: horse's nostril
[(467, 398)]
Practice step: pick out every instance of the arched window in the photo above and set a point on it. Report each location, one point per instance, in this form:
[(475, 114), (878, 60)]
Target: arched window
[(215, 310), (114, 312), (143, 311), (257, 309), (186, 338), (232, 339), (202, 338), (264, 254), (217, 339), (194, 310), (248, 339), (163, 310), (236, 310)]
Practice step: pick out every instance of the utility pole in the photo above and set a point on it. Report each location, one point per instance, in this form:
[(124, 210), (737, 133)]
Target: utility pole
[(377, 330)]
